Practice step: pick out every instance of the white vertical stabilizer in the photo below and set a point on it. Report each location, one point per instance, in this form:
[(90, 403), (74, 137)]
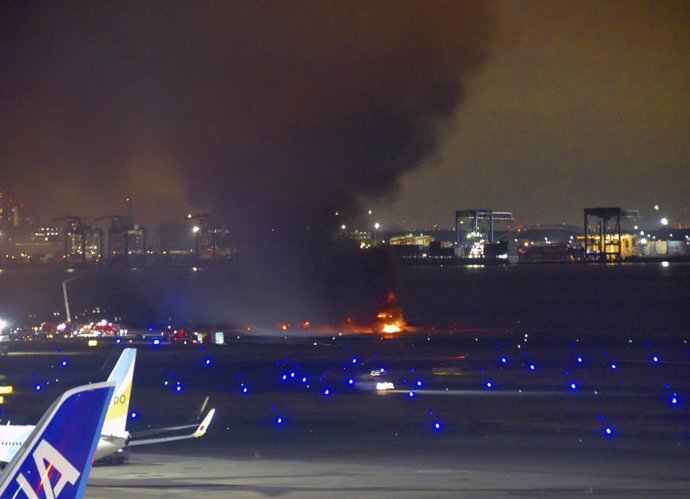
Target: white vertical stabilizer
[(122, 374)]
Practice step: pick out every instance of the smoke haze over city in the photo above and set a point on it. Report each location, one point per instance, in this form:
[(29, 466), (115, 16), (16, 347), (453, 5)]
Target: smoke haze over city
[(267, 113)]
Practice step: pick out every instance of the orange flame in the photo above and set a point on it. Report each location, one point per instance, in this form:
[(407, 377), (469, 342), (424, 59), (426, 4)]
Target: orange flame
[(390, 320)]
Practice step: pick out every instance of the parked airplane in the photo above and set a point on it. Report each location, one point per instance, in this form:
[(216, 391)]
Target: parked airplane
[(55, 460), (115, 439)]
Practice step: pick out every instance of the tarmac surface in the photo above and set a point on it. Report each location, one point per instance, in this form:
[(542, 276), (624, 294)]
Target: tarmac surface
[(490, 414), (392, 476)]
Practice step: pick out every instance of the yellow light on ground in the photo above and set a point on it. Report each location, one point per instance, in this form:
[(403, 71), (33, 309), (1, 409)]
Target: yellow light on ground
[(93, 343), (6, 390), (2, 400)]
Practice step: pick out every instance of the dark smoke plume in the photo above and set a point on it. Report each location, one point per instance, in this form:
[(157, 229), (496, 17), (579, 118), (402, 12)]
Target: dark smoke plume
[(272, 114)]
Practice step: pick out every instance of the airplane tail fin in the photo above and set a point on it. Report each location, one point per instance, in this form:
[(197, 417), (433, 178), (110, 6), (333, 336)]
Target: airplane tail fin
[(55, 461), (122, 374)]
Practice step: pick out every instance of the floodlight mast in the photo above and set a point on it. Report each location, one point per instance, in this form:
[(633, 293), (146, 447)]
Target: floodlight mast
[(68, 315)]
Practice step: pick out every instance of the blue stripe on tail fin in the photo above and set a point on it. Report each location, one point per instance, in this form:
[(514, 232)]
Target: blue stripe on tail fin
[(55, 461)]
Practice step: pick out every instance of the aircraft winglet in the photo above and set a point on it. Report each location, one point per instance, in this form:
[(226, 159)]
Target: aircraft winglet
[(55, 460)]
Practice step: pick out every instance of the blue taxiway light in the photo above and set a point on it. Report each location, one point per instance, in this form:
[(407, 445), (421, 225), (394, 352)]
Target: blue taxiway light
[(133, 415), (38, 388), (64, 363), (437, 426), (608, 431), (573, 386), (326, 392)]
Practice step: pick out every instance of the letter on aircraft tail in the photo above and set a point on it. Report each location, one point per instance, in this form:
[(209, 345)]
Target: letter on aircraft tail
[(55, 460)]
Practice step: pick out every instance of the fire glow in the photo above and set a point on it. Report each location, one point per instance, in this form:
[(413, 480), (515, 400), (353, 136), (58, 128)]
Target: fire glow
[(390, 319)]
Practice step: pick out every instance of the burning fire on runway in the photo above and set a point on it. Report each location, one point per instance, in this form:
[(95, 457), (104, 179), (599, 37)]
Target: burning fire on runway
[(390, 320)]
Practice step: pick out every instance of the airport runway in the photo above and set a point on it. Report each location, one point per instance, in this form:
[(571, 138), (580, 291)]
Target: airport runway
[(179, 476)]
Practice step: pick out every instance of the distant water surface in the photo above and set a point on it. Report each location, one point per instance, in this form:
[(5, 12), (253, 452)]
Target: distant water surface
[(634, 298)]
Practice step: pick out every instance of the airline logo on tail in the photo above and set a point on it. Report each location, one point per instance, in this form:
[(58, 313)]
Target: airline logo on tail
[(55, 461), (47, 454)]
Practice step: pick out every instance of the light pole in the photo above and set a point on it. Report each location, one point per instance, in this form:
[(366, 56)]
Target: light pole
[(64, 295), (196, 230)]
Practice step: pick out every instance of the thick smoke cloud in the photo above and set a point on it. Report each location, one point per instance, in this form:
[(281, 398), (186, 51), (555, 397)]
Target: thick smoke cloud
[(271, 114), (257, 109)]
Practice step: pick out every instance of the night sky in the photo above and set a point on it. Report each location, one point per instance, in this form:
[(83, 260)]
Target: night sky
[(580, 104), (275, 115)]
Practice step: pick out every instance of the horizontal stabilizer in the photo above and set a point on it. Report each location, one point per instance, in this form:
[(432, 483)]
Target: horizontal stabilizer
[(200, 431)]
